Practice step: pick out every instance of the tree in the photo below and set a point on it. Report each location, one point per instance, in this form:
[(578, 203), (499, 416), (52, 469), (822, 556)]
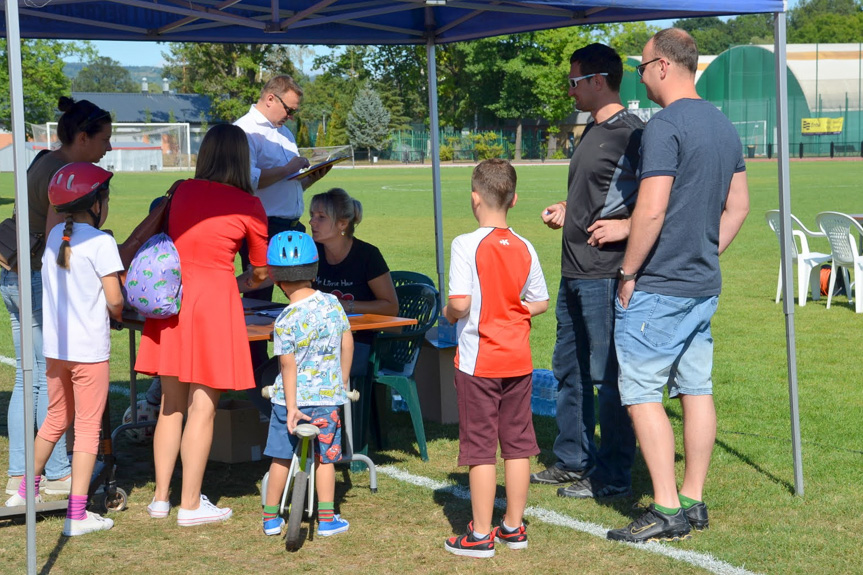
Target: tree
[(400, 73), (714, 36), (230, 74), (44, 81), (806, 11), (303, 140), (629, 39), (368, 121), (104, 75), (829, 28)]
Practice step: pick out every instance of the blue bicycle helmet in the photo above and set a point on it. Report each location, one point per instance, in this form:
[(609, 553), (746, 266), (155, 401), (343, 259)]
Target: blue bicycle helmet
[(292, 256)]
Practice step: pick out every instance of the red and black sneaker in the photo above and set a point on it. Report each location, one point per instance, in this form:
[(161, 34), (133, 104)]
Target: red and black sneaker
[(469, 546), (515, 539)]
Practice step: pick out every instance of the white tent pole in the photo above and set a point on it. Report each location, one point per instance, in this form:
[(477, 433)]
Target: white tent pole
[(25, 304), (434, 133), (787, 238)]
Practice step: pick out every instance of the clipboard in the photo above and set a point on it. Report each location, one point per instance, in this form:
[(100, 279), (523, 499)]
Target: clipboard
[(316, 167)]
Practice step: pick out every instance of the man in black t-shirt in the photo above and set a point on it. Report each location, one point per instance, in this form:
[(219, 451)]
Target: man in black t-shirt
[(595, 220)]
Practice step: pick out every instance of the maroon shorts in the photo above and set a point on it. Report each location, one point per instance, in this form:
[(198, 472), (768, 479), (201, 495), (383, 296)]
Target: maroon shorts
[(491, 410)]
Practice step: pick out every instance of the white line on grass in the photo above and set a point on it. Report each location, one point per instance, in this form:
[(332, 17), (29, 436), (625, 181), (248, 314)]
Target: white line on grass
[(7, 360), (702, 560)]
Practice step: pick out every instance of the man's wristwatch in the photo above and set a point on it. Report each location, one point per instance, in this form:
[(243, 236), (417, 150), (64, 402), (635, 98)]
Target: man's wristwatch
[(623, 276)]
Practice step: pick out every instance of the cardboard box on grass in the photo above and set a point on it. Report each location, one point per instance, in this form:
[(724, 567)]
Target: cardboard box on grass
[(239, 434)]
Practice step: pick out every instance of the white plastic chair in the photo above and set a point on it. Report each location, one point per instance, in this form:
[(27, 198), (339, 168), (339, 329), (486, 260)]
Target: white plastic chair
[(841, 230), (808, 262)]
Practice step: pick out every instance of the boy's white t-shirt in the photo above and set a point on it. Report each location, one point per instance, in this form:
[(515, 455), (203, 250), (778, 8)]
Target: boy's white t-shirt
[(75, 321), (498, 269)]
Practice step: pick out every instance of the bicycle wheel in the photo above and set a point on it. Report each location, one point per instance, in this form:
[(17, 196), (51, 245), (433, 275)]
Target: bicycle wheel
[(295, 515)]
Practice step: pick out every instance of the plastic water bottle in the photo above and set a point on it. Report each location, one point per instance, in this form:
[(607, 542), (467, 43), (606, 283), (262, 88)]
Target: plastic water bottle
[(398, 402), (446, 332), (543, 400)]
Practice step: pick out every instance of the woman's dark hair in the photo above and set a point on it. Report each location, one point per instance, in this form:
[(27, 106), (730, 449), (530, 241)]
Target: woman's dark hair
[(81, 116), (224, 157)]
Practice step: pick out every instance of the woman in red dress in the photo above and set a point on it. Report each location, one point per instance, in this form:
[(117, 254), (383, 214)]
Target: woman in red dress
[(204, 350)]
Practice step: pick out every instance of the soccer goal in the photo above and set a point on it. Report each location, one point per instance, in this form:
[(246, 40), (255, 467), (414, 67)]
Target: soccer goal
[(136, 147), (753, 133)]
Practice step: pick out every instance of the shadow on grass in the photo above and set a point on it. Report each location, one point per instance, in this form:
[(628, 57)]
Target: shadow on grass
[(739, 455), (55, 553)]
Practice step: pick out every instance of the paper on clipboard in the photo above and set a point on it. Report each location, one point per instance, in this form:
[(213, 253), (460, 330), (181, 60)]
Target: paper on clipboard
[(316, 167)]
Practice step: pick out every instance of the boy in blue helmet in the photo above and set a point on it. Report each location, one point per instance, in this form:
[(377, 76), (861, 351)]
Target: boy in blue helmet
[(312, 338)]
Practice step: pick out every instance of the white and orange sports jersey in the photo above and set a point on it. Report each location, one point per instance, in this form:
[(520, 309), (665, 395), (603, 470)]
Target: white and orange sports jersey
[(498, 269)]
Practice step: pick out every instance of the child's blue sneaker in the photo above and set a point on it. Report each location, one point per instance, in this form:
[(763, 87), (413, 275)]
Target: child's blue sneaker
[(337, 525), (274, 526)]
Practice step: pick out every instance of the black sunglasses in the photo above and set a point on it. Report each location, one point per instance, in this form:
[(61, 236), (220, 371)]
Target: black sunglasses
[(288, 110), (640, 68)]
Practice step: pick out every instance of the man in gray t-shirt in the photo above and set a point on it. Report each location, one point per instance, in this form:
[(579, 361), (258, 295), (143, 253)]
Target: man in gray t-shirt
[(692, 200)]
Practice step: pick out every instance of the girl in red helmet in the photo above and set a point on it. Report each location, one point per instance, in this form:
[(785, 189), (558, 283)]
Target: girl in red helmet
[(84, 131), (81, 292)]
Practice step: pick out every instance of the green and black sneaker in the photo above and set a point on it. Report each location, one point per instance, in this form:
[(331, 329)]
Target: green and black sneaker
[(654, 525)]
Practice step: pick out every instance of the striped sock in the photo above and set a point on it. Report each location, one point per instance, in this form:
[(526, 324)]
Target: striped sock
[(22, 488), (77, 509), (326, 510), (270, 512)]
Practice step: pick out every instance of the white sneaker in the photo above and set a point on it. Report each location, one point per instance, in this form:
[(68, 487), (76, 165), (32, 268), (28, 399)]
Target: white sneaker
[(13, 482), (12, 485), (93, 522), (16, 500), (205, 513), (56, 486), (158, 509)]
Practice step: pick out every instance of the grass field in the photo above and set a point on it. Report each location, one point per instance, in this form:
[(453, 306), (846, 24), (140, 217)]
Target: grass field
[(757, 523)]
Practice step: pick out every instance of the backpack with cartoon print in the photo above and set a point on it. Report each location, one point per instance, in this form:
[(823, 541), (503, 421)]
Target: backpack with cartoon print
[(153, 282)]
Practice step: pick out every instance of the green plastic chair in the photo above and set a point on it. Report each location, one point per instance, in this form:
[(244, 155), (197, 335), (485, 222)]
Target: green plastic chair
[(402, 277), (395, 354)]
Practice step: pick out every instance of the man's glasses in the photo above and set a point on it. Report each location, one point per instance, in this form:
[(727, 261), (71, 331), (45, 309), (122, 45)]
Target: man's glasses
[(288, 110), (640, 68), (573, 82)]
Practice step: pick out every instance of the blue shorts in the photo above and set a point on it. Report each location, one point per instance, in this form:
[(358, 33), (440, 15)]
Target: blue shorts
[(664, 341), (328, 445)]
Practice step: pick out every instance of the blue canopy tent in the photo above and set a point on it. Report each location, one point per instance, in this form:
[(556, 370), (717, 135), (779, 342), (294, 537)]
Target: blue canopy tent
[(428, 22)]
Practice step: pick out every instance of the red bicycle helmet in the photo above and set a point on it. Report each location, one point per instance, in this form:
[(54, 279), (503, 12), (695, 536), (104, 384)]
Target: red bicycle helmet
[(76, 186)]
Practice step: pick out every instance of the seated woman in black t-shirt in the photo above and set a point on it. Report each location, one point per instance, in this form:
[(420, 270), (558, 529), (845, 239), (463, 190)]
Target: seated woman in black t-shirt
[(349, 268)]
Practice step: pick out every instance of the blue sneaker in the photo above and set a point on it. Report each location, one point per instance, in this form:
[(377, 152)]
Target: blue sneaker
[(337, 525), (274, 526)]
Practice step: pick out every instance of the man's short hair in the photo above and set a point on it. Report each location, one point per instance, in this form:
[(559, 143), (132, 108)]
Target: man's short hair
[(597, 59), (678, 46), (495, 181), (280, 85)]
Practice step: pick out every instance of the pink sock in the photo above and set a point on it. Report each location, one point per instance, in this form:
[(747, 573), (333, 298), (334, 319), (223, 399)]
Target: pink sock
[(77, 508), (22, 489)]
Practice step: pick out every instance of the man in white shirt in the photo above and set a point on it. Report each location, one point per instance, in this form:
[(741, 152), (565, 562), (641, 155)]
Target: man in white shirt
[(274, 157), (274, 153)]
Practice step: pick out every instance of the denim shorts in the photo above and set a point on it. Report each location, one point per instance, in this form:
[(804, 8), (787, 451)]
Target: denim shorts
[(328, 445), (664, 341)]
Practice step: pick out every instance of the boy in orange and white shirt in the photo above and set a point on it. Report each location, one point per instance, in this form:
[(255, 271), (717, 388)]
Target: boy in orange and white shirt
[(495, 286)]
